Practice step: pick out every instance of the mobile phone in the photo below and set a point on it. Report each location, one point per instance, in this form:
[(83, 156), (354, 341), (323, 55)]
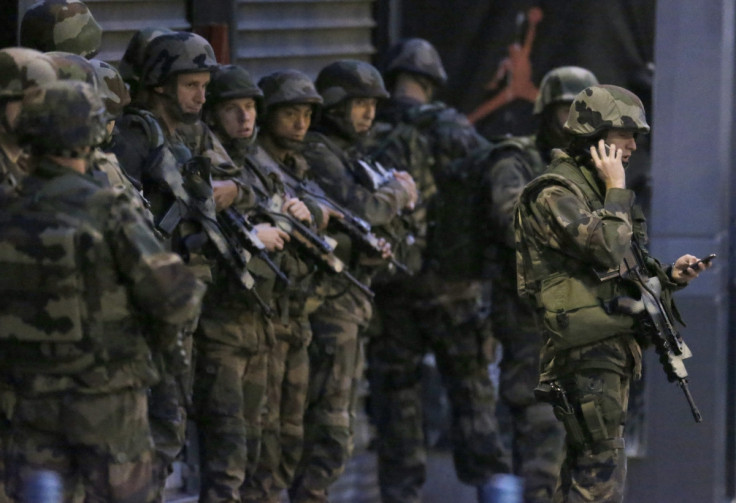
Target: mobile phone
[(705, 260)]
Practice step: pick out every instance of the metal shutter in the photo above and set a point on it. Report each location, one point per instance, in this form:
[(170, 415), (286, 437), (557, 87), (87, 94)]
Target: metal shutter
[(120, 19), (304, 35)]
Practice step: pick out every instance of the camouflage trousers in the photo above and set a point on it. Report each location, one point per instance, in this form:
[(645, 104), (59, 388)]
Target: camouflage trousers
[(459, 336), (229, 396), (596, 470), (168, 415), (336, 365), (536, 437), (282, 440), (102, 442)]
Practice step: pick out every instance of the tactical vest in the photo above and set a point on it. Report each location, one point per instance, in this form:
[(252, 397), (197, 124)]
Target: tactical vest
[(64, 308), (500, 259), (570, 298)]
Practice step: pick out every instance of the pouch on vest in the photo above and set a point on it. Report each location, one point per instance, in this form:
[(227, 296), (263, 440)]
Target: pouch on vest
[(40, 280), (574, 314)]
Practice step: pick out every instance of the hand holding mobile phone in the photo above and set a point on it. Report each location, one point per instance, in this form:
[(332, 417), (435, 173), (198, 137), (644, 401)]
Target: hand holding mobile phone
[(705, 260)]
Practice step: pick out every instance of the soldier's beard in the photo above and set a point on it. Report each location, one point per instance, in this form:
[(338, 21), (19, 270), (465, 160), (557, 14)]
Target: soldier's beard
[(174, 110)]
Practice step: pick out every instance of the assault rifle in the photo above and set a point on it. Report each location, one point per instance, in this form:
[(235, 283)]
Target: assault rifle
[(191, 188), (238, 226), (655, 321), (317, 247), (358, 229)]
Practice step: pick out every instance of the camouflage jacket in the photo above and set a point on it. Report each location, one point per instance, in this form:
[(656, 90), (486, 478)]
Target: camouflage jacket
[(159, 162), (83, 279), (569, 229), (514, 162), (333, 166), (398, 144), (279, 178), (331, 162)]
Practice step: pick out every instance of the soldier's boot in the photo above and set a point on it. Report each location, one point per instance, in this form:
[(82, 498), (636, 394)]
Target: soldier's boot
[(502, 488)]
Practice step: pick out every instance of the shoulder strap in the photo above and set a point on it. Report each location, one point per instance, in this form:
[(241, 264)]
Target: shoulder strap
[(149, 124)]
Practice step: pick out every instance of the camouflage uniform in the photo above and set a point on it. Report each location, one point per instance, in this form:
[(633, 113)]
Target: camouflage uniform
[(78, 356), (61, 25), (155, 158), (569, 228), (336, 359), (537, 438), (288, 363), (20, 69), (432, 312), (231, 82)]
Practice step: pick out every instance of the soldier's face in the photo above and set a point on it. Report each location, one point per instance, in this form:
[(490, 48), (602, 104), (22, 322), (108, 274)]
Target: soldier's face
[(237, 117), (625, 139), (190, 91), (290, 121), (362, 113), (12, 110), (561, 112)]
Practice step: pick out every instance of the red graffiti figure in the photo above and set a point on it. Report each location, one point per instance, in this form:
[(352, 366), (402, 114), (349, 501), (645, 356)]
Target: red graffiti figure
[(516, 70)]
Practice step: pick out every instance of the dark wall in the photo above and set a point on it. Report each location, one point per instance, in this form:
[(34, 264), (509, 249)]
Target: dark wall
[(614, 39), (9, 24)]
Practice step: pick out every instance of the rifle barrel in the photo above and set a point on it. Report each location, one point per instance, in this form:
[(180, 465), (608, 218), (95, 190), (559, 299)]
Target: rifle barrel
[(693, 408)]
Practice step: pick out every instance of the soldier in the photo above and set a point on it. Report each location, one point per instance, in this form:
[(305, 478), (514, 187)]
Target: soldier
[(20, 69), (350, 90), (234, 103), (61, 25), (442, 310), (578, 234), (156, 156), (537, 437), (72, 331)]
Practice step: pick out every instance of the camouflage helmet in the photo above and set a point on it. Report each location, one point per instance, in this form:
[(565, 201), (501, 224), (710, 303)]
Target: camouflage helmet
[(61, 117), (415, 55), (113, 91), (175, 53), (561, 85), (61, 25), (21, 69), (602, 107), (231, 82), (74, 67), (288, 87), (349, 78), (131, 64)]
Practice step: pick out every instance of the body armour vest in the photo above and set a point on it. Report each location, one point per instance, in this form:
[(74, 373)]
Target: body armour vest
[(570, 298)]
